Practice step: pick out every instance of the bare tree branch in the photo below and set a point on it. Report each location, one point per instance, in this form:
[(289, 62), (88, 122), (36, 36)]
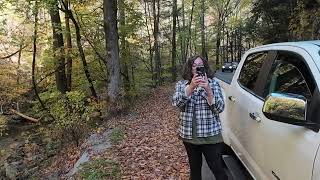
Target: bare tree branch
[(10, 55)]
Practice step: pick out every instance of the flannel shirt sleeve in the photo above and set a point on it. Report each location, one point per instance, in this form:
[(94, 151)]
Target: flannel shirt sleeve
[(218, 103), (180, 98), (212, 102)]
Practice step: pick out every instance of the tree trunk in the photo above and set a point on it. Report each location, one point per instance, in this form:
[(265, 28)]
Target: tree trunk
[(156, 42), (34, 53), (124, 49), (149, 39), (132, 75), (218, 43), (180, 59), (69, 47), (203, 42), (231, 46), (193, 42), (82, 55), (173, 55), (98, 55), (223, 53), (58, 48), (239, 46), (183, 37), (19, 64), (111, 33), (189, 32)]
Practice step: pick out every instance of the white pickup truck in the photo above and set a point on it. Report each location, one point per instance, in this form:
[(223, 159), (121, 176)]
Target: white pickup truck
[(271, 119)]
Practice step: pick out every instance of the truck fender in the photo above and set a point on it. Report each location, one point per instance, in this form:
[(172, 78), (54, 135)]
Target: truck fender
[(224, 122), (316, 166)]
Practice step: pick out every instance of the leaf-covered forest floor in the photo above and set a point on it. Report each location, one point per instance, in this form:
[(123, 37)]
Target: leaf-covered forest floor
[(145, 146)]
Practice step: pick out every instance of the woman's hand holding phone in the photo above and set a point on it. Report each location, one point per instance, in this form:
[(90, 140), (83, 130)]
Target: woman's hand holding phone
[(204, 82), (196, 81)]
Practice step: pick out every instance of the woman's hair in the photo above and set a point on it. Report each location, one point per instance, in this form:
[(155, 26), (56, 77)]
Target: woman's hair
[(187, 70)]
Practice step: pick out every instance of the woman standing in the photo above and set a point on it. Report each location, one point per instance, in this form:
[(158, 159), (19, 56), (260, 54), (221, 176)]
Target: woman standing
[(200, 100)]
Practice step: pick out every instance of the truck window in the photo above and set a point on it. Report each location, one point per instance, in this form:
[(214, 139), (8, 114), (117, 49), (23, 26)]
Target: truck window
[(250, 70), (288, 75)]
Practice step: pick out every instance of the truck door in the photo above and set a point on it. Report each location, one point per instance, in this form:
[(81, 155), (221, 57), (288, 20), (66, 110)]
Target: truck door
[(288, 151), (245, 103)]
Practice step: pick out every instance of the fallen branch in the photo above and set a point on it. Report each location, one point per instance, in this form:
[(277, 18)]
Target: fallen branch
[(24, 116)]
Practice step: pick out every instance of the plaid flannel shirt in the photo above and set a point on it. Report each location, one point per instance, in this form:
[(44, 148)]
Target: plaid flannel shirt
[(207, 116)]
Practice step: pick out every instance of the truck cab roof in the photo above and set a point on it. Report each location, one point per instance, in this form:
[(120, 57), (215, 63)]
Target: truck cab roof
[(301, 44)]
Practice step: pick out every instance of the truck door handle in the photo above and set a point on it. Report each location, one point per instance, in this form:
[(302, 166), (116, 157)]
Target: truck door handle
[(231, 98), (255, 117)]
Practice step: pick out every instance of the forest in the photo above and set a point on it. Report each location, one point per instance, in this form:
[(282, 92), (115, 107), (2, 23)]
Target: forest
[(71, 67)]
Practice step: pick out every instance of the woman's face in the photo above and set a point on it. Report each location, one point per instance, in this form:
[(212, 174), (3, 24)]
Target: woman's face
[(196, 63)]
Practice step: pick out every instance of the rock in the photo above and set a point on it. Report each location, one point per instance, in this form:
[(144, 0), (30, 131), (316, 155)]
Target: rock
[(2, 172), (84, 158), (13, 145), (54, 176), (38, 141), (15, 157), (31, 148), (11, 171), (35, 158), (16, 163), (15, 120), (95, 144), (30, 171), (28, 154)]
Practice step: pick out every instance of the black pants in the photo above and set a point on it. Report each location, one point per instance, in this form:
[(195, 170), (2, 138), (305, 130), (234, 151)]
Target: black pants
[(212, 153)]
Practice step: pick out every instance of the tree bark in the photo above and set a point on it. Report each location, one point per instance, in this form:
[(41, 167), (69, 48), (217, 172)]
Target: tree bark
[(124, 49), (231, 45), (180, 59), (173, 55), (193, 42), (189, 32), (34, 53), (156, 41), (58, 48), (239, 46), (224, 50), (82, 55), (19, 63), (111, 33), (218, 43), (203, 40), (149, 39), (69, 47), (183, 45)]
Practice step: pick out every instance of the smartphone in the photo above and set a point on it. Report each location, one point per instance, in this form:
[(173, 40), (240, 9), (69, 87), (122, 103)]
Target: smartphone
[(200, 70)]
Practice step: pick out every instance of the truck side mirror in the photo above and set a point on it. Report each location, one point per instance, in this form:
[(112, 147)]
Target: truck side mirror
[(286, 107)]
